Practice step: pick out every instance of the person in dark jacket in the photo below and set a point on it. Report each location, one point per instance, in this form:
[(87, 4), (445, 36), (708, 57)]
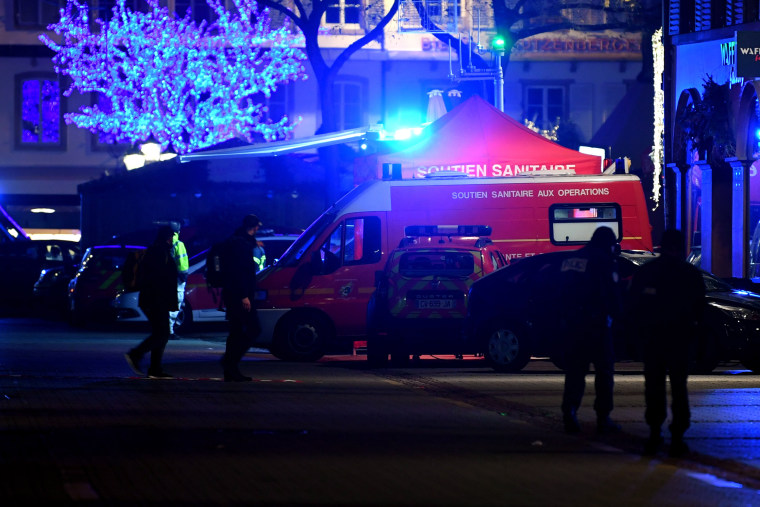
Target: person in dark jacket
[(668, 296), (239, 270), (590, 300), (157, 282)]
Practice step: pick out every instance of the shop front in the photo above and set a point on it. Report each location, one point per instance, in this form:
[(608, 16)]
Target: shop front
[(712, 185)]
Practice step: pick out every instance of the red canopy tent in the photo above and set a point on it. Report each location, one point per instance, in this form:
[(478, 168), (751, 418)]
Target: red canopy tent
[(477, 139)]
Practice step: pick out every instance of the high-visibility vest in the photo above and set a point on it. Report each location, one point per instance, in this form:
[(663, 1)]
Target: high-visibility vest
[(179, 253), (259, 257)]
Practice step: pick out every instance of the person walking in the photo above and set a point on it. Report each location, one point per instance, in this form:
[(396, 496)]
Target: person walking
[(238, 291), (668, 301), (590, 299), (157, 282), (179, 254)]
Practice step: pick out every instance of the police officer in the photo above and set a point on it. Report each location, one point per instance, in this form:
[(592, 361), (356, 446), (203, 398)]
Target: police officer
[(238, 291), (179, 254), (590, 299), (668, 297), (157, 280)]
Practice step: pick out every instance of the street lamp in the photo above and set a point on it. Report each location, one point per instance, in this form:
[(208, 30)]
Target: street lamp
[(151, 149), (133, 159)]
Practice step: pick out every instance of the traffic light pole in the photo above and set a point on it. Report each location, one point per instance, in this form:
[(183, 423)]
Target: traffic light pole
[(472, 74), (498, 83)]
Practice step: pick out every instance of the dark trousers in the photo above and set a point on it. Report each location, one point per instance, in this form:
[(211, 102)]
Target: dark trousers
[(156, 342), (590, 348), (658, 365), (244, 329)]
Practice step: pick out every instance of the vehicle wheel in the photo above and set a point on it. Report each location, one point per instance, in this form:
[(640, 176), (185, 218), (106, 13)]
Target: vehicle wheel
[(751, 360), (302, 337), (707, 355), (184, 322), (377, 353), (505, 351), (377, 345), (399, 357), (75, 316)]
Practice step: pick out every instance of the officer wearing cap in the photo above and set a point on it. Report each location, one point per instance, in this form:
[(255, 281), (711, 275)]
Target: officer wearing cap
[(238, 291)]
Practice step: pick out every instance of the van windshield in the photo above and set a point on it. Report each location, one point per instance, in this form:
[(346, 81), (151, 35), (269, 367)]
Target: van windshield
[(295, 253), (447, 264)]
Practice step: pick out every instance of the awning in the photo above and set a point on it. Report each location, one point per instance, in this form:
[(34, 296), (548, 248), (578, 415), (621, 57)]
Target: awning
[(283, 147)]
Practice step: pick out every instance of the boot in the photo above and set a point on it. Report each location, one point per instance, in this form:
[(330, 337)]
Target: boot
[(678, 447), (653, 443), (571, 422), (605, 425)]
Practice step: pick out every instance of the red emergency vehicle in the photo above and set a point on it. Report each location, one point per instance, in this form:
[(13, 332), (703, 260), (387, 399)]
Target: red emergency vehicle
[(420, 300), (315, 299)]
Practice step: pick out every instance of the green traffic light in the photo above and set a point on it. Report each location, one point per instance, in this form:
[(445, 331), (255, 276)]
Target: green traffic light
[(498, 42)]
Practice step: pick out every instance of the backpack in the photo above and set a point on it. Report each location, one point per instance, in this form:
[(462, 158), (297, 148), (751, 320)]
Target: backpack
[(215, 264)]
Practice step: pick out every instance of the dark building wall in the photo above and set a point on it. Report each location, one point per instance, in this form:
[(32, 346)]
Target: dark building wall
[(195, 194)]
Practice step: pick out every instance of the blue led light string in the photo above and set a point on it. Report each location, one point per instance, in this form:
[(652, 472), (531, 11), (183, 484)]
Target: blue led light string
[(188, 84)]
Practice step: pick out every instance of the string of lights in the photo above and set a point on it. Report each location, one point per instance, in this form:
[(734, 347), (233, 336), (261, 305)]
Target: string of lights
[(659, 114)]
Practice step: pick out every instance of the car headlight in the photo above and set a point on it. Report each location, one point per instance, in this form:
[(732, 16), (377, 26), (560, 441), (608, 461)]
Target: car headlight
[(739, 313)]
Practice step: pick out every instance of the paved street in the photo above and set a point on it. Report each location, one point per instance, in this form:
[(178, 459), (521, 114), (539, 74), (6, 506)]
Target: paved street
[(79, 427)]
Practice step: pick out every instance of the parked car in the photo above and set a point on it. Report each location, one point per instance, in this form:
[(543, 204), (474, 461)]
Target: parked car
[(202, 303), (514, 312), (22, 262), (98, 280), (420, 298), (51, 290)]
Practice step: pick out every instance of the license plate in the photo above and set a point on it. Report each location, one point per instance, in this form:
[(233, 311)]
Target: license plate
[(443, 304)]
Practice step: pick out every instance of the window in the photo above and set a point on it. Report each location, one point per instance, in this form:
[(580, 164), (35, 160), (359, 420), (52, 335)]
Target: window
[(441, 264), (544, 105), (355, 241), (35, 14), (348, 103), (39, 112), (703, 14), (573, 224), (343, 12)]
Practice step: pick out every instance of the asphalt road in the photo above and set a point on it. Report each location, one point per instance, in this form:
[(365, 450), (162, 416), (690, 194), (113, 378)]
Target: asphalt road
[(76, 426)]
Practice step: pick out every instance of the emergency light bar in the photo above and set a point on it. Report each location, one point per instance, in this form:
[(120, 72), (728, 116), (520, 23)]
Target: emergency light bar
[(447, 230)]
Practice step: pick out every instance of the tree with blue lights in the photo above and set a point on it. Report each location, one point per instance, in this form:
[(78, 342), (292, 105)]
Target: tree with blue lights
[(189, 85)]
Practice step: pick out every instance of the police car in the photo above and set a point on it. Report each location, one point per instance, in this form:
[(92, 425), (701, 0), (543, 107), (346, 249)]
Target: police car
[(420, 298)]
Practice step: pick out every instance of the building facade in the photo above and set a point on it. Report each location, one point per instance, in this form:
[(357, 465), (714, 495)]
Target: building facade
[(575, 77), (711, 134)]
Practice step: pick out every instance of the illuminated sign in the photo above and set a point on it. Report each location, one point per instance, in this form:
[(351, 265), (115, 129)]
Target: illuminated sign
[(728, 59), (748, 54), (493, 170)]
